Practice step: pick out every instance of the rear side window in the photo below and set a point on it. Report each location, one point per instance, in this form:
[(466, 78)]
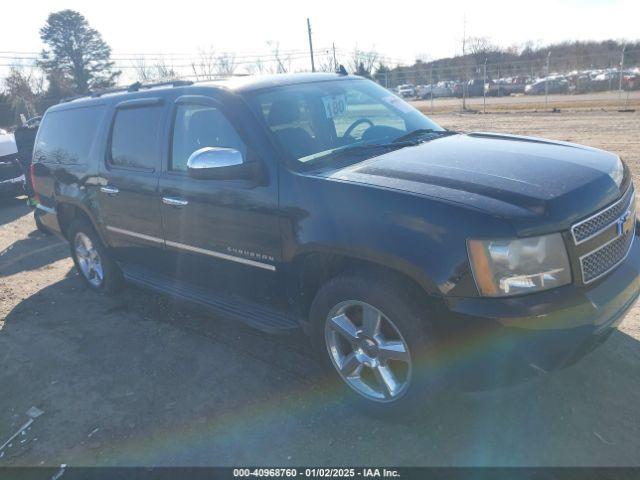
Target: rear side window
[(135, 138), (66, 136)]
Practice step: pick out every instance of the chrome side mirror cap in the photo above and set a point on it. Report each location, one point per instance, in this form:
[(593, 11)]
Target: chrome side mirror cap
[(217, 163)]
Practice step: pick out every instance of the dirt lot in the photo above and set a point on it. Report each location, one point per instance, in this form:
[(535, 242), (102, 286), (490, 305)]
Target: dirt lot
[(139, 380)]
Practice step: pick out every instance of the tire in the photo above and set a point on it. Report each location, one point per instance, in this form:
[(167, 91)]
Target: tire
[(111, 277), (39, 225), (352, 293)]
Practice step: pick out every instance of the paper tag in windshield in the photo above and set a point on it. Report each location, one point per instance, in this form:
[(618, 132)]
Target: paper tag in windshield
[(334, 105), (397, 103)]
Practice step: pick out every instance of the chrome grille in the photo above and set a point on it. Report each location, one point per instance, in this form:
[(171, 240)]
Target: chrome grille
[(606, 258), (590, 227)]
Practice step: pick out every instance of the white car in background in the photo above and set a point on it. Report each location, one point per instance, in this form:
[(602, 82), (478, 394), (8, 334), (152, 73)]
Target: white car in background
[(406, 90), (440, 89), (11, 174)]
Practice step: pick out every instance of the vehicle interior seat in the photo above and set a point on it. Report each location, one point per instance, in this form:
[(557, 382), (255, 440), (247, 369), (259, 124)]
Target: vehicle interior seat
[(284, 113), (209, 128)]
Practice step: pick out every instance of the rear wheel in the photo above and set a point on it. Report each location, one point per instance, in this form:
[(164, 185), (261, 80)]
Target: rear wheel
[(92, 260), (39, 225), (373, 339)]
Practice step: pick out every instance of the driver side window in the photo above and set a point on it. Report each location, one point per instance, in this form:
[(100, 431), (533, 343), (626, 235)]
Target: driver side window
[(199, 126), (290, 118)]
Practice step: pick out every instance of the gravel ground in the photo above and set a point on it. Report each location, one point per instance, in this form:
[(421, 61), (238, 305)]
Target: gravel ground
[(137, 379)]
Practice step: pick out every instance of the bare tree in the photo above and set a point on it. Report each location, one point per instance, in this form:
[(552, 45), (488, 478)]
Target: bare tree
[(282, 63), (23, 87), (479, 48), (165, 72), (324, 62), (212, 65), (257, 66), (364, 62), (225, 64), (143, 72), (205, 67), (156, 72)]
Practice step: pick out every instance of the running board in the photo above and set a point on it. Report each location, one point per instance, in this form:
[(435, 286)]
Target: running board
[(256, 316)]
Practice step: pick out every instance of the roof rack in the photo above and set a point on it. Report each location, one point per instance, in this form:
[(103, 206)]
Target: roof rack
[(134, 87)]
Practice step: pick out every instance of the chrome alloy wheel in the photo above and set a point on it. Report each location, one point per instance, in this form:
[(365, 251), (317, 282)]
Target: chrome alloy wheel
[(368, 351), (88, 259)]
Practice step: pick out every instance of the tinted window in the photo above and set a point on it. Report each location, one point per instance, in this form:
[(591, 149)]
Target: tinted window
[(198, 126), (66, 136), (135, 140)]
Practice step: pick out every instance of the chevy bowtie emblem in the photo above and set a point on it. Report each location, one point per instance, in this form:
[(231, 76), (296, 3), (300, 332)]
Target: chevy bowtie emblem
[(625, 223)]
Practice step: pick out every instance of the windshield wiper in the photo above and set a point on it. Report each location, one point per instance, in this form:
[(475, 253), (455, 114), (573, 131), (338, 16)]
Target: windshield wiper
[(421, 132)]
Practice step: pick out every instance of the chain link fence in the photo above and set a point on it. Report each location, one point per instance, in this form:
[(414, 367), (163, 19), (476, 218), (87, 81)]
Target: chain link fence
[(477, 81)]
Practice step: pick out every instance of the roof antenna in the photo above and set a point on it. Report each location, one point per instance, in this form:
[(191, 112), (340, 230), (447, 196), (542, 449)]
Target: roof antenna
[(341, 70)]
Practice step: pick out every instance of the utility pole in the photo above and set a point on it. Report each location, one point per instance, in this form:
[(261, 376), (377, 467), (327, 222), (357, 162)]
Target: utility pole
[(546, 82), (431, 86), (484, 89), (335, 62), (464, 61), (313, 65), (624, 47), (610, 76)]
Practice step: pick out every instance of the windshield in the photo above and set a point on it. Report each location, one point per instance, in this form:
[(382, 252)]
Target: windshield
[(312, 121)]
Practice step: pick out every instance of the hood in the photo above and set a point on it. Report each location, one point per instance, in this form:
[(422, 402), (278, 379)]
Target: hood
[(539, 185)]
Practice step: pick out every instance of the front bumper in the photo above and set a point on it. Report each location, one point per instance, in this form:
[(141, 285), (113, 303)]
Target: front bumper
[(498, 341)]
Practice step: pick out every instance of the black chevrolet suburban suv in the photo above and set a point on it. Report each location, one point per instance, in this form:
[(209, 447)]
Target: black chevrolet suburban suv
[(416, 258)]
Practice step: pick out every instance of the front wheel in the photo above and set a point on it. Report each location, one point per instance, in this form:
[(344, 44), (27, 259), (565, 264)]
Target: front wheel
[(375, 340)]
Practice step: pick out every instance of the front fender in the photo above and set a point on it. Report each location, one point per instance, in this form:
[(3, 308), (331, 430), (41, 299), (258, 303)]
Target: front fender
[(421, 237)]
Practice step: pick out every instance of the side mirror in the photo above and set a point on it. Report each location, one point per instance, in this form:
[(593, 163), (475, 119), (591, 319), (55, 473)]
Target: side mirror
[(218, 163)]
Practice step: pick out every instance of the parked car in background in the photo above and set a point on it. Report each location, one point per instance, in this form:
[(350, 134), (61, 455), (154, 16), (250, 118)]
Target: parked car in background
[(580, 82), (551, 85), (11, 172), (631, 81), (472, 88), (607, 80), (406, 91), (25, 137), (440, 89), (505, 86)]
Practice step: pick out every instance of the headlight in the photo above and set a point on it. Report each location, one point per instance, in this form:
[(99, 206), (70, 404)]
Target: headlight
[(617, 172), (516, 266)]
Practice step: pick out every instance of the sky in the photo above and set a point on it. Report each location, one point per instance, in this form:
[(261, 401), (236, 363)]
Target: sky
[(400, 31)]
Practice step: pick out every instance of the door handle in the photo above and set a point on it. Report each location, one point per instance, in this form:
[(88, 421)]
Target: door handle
[(109, 190), (175, 201)]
